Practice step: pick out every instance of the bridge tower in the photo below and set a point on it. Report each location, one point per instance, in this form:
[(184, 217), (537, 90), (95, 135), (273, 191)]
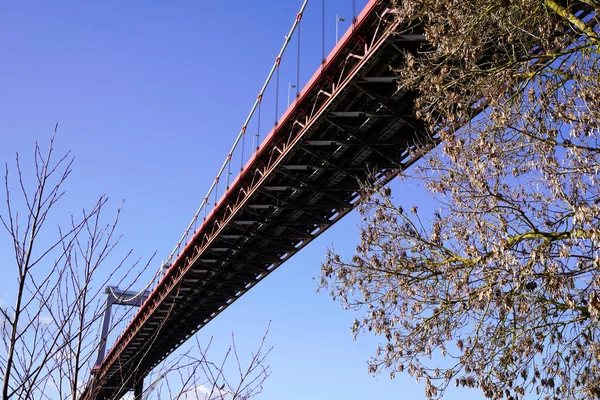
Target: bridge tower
[(116, 296)]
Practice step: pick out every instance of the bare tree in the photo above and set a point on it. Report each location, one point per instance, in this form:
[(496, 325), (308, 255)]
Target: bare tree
[(499, 288), (198, 377), (51, 334)]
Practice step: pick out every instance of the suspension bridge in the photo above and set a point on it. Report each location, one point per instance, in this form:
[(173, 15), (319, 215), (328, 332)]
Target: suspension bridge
[(348, 124)]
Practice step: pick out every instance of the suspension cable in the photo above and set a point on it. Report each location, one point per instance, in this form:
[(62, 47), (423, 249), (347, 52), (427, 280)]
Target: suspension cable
[(239, 137), (243, 147)]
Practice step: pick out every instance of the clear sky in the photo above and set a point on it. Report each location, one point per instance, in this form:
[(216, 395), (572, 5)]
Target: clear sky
[(149, 96)]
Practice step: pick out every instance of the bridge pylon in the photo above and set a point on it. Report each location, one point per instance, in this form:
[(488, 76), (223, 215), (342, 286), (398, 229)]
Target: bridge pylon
[(116, 296)]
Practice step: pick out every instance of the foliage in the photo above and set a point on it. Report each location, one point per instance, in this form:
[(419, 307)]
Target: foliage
[(503, 281)]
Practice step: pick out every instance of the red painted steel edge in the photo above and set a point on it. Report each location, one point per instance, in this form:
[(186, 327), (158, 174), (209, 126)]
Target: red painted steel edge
[(312, 82), (146, 307), (366, 12)]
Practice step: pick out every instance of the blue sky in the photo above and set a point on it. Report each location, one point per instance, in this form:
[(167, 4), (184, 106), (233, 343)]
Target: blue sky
[(149, 96)]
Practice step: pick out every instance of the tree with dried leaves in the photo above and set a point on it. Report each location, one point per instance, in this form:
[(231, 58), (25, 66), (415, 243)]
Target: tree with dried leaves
[(50, 335), (498, 289)]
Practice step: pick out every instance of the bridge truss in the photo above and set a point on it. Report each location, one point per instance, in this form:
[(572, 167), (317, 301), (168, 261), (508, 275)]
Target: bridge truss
[(349, 124)]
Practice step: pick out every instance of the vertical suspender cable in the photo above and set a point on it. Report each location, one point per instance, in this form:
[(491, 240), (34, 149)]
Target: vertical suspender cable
[(216, 189), (228, 171), (277, 95), (298, 61), (322, 31), (258, 128), (243, 146)]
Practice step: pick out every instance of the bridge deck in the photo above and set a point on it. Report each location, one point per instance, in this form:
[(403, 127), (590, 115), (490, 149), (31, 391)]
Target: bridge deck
[(349, 122)]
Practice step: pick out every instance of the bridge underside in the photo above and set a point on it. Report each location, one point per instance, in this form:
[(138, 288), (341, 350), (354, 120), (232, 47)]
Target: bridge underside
[(350, 125)]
